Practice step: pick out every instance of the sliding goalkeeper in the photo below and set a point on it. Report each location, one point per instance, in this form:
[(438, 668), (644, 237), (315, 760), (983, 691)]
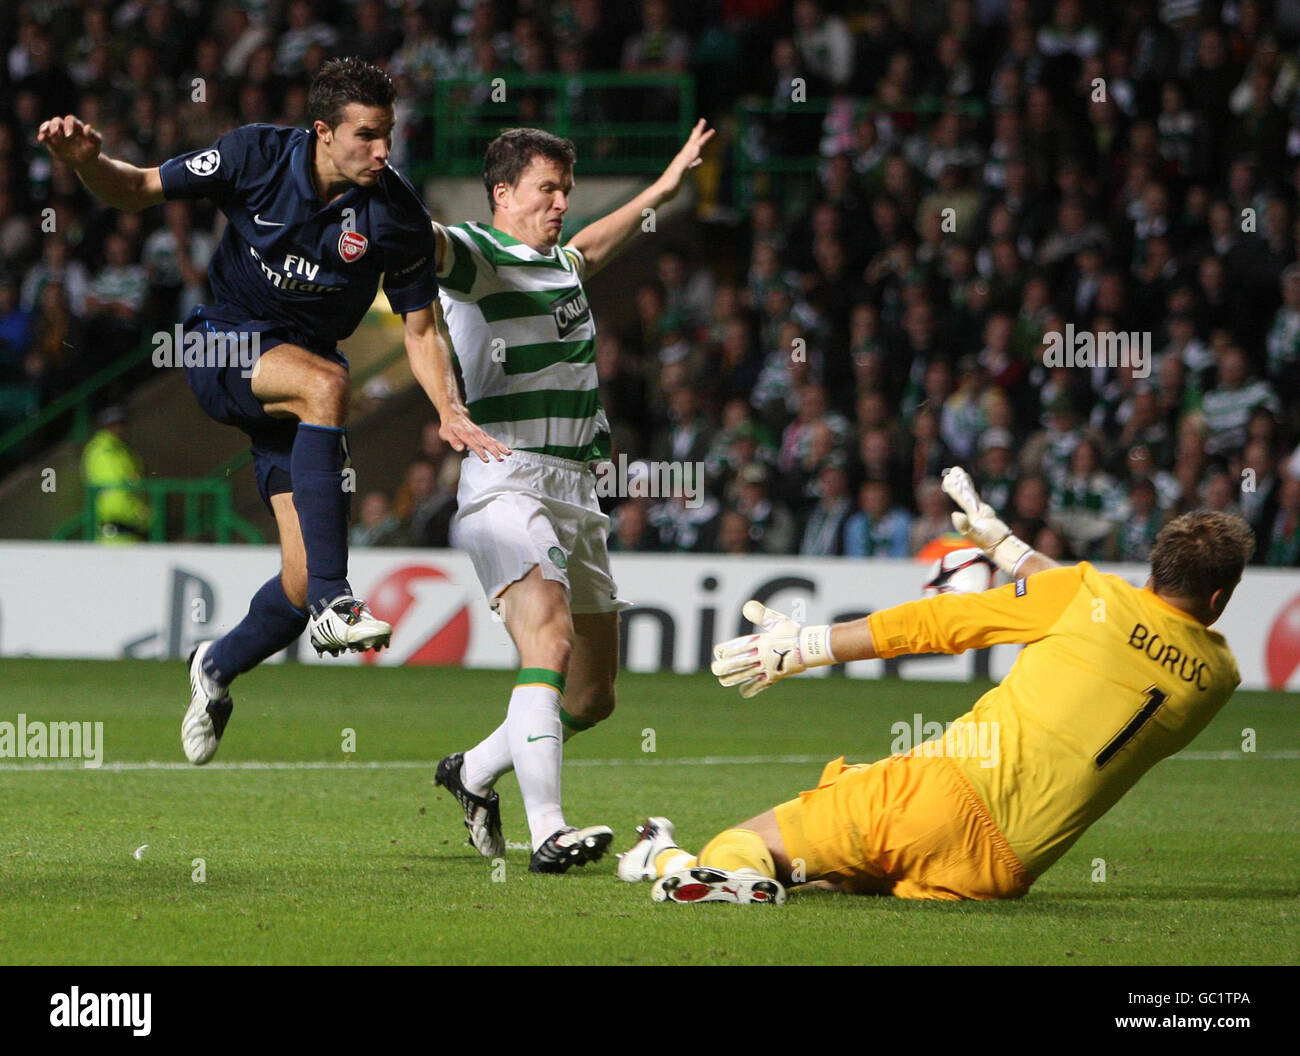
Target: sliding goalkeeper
[(1112, 680)]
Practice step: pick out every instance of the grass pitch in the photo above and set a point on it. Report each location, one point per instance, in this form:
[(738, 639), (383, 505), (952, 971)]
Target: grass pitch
[(313, 855)]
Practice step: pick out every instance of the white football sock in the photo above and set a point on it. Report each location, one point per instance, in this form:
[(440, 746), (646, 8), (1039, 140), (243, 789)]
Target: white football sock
[(537, 749), (490, 760)]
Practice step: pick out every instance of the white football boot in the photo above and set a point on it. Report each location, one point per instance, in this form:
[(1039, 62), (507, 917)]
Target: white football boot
[(702, 883), (209, 711), (656, 835), (347, 624)]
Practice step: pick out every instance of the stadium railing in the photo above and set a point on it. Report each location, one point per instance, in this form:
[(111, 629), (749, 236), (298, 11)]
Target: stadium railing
[(206, 506), (77, 402), (619, 122)]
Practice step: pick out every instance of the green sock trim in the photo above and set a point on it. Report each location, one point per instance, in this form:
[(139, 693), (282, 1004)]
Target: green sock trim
[(577, 725), (541, 674)]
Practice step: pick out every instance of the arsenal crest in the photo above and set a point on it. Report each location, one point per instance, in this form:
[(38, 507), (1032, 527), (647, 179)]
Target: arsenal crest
[(352, 244)]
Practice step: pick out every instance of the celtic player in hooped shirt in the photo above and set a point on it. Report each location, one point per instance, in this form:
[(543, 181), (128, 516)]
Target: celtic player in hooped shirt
[(1113, 678), (524, 336), (315, 218)]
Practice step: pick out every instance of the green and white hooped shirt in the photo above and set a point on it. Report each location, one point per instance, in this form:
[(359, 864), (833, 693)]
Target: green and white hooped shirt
[(525, 341)]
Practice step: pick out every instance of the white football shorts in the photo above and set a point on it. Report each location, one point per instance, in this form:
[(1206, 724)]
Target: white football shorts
[(533, 509)]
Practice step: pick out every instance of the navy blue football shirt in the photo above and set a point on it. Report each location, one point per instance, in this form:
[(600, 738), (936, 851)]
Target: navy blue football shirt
[(287, 256)]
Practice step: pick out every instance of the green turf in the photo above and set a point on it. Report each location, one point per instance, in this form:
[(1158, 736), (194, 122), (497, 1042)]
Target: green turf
[(369, 865)]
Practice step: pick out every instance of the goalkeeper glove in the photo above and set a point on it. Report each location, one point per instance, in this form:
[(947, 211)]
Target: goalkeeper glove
[(979, 523), (781, 648)]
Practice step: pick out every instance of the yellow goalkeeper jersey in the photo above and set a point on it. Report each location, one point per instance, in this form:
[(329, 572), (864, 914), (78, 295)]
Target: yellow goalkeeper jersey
[(1112, 680)]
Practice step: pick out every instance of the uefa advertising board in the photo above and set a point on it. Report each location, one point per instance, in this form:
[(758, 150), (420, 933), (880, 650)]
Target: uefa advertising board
[(165, 598)]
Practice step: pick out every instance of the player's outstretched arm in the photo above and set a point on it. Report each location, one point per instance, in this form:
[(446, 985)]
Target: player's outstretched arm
[(601, 241), (979, 522), (116, 183), (782, 647), (428, 347)]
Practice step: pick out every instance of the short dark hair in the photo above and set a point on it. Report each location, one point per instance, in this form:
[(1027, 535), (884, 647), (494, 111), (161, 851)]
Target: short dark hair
[(1198, 553), (509, 154), (344, 81)]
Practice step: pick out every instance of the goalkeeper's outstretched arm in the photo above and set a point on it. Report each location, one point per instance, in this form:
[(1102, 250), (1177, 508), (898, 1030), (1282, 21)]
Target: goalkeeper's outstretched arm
[(948, 623)]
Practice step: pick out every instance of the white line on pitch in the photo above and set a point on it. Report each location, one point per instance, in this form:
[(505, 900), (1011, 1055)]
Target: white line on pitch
[(702, 760)]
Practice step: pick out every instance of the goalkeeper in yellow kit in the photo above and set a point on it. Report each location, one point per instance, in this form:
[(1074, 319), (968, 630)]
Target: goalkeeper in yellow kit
[(1112, 680)]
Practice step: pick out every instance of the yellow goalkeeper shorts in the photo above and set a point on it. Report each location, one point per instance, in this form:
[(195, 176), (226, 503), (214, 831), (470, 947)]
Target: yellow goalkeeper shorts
[(909, 826)]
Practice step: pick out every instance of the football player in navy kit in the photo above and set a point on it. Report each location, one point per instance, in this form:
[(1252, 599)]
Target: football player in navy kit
[(315, 218)]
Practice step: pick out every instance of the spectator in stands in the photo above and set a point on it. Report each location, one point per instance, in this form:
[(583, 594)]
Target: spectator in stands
[(686, 520), (176, 258), (1284, 532), (17, 233), (115, 302), (1086, 502), (686, 436), (934, 509), (1283, 342), (824, 44), (771, 526), (426, 502), (304, 31), (378, 525), (632, 532), (1228, 405), (995, 474), (823, 533), (15, 330), (657, 48), (1136, 534), (122, 514), (878, 528), (733, 534), (1260, 491)]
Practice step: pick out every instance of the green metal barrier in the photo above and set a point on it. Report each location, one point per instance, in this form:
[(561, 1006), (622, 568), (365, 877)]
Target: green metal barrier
[(592, 109), (76, 401), (206, 510)]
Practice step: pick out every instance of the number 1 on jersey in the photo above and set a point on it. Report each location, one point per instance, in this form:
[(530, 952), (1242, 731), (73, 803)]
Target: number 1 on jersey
[(1155, 697)]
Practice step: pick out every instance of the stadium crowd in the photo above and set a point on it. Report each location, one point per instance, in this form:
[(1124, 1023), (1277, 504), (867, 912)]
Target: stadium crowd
[(1129, 170)]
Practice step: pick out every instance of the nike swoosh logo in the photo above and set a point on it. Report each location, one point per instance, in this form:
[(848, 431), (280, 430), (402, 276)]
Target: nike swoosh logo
[(542, 736), (265, 223), (781, 663)]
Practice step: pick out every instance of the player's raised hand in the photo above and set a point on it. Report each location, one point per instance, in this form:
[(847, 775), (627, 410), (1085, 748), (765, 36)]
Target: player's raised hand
[(782, 647), (979, 522), (687, 158), (70, 140), (458, 430)]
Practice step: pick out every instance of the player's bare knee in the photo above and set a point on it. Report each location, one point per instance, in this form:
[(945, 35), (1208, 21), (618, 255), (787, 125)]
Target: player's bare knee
[(327, 395), (555, 644)]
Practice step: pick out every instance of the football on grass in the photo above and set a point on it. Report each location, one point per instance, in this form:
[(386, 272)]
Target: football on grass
[(965, 571)]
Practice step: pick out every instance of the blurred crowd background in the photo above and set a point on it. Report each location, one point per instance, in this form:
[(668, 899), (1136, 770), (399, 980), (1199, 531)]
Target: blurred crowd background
[(989, 174)]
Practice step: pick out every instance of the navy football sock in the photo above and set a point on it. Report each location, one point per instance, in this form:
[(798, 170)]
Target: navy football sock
[(273, 622), (316, 466)]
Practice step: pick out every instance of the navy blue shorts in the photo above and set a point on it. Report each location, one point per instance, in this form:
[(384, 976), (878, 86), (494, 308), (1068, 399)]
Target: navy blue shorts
[(226, 392)]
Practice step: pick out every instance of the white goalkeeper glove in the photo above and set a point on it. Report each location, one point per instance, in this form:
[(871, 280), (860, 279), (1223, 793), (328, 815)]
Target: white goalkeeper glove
[(979, 522), (781, 648)]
